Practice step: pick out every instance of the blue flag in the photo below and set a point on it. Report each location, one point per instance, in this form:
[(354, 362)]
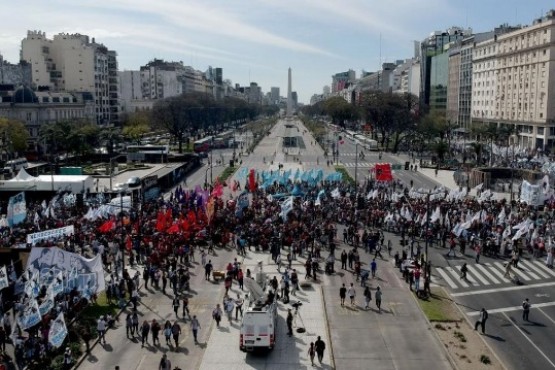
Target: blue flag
[(58, 331), (17, 209)]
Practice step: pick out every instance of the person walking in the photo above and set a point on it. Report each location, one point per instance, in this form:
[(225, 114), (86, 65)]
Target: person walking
[(464, 270), (185, 307), (379, 299), (129, 325), (526, 309), (176, 331), (101, 328), (289, 321), (342, 294), (352, 293), (228, 307), (145, 329), (165, 363), (367, 297), (155, 329), (238, 306), (344, 260), (378, 251), (175, 304), (217, 315), (195, 327), (478, 251), (373, 267), (135, 319), (208, 270), (168, 333), (482, 320), (320, 347), (311, 352)]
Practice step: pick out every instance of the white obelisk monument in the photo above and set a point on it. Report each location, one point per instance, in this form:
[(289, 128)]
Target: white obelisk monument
[(289, 112)]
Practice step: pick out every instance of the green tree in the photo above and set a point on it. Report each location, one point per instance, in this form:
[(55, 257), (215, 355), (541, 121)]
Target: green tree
[(136, 125), (15, 133), (340, 110)]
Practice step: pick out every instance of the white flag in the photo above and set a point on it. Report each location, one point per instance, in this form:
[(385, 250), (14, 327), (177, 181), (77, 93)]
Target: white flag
[(58, 331)]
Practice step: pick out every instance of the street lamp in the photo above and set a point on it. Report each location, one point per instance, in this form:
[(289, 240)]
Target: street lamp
[(356, 164)]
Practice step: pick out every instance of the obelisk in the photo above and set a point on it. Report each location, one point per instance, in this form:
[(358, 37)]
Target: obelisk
[(289, 112)]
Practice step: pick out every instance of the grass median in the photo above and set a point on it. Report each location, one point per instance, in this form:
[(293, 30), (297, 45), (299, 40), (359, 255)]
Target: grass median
[(346, 176), (438, 307)]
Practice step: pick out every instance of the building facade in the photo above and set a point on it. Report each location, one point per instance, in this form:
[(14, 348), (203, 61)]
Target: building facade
[(72, 63), (15, 74), (340, 81)]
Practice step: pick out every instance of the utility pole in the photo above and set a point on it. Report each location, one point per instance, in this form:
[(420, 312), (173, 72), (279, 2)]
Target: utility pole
[(356, 164)]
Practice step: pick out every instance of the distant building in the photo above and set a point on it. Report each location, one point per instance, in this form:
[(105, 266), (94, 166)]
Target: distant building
[(326, 90), (15, 74), (35, 109), (295, 99), (340, 81), (274, 95), (72, 63)]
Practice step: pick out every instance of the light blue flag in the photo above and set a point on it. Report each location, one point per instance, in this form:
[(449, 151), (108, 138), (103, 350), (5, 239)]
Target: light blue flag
[(30, 315), (242, 203), (47, 304), (17, 209), (58, 331), (286, 207)]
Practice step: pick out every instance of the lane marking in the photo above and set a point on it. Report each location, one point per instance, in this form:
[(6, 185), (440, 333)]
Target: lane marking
[(486, 272), (495, 267), (505, 289), (511, 309), (530, 341), (530, 266), (544, 268), (520, 274), (464, 283), (475, 273), (528, 271), (546, 315), (446, 278)]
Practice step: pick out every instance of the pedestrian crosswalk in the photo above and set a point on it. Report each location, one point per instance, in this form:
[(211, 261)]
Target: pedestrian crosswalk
[(359, 164), (489, 274)]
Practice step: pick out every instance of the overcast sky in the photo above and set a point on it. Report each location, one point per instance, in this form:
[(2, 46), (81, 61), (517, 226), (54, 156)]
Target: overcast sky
[(257, 40)]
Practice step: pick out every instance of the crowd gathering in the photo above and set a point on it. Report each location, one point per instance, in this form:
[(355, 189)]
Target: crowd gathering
[(164, 237)]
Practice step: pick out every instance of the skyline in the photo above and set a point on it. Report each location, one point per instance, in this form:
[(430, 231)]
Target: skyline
[(257, 41)]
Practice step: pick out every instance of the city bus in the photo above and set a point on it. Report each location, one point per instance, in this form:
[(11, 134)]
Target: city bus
[(224, 140), (148, 153), (203, 145)]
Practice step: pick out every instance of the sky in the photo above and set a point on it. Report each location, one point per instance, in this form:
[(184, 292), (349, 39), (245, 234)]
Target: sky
[(258, 40)]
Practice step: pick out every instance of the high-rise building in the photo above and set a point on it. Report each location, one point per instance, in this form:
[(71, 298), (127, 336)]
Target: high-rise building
[(431, 47), (274, 95), (70, 62), (513, 79), (342, 80), (294, 99), (15, 74)]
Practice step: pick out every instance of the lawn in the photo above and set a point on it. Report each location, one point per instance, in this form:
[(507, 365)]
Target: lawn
[(346, 176), (439, 307)]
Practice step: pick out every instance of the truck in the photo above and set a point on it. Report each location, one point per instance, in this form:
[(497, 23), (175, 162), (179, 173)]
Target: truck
[(259, 324)]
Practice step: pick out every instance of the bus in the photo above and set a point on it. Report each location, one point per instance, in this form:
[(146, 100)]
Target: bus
[(224, 140), (203, 145), (148, 153), (14, 165)]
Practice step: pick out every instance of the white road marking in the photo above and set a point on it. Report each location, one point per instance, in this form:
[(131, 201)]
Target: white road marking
[(505, 289), (511, 309), (465, 281), (544, 268), (530, 266), (486, 272), (521, 274), (528, 270), (495, 267), (473, 270), (446, 278), (531, 342)]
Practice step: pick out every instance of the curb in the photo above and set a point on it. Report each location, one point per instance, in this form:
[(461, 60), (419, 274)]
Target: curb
[(328, 331), (467, 319), (436, 336)]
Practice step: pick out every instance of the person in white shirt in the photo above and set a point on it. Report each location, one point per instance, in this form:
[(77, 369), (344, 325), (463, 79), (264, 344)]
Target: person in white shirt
[(352, 294), (195, 326), (101, 328)]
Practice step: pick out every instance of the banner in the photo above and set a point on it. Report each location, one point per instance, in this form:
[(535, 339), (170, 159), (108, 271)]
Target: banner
[(87, 275), (531, 194), (286, 207), (50, 234), (30, 315), (58, 331), (47, 304), (4, 278), (242, 203), (57, 285), (17, 209), (383, 172)]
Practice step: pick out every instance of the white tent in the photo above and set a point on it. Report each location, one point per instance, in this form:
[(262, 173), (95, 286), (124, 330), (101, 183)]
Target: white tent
[(25, 182)]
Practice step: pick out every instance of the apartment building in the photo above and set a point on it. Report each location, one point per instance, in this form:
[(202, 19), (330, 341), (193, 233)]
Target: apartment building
[(514, 82), (72, 63), (15, 74)]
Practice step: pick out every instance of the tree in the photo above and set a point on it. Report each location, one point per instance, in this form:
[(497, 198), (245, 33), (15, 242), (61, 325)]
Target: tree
[(15, 134), (340, 110), (136, 125)]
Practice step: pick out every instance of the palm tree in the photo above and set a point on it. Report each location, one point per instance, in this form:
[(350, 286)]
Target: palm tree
[(478, 149)]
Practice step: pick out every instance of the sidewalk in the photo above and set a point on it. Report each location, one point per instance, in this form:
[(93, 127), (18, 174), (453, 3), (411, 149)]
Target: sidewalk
[(290, 352)]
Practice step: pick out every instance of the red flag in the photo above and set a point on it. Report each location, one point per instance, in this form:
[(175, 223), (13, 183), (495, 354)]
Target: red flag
[(160, 221), (383, 172), (169, 216), (192, 218), (107, 226), (218, 190), (174, 229), (252, 180)]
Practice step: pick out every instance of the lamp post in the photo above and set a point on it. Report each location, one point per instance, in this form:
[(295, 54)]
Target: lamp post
[(122, 248), (211, 160), (356, 164)]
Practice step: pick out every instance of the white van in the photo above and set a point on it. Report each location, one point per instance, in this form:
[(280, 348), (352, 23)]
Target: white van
[(14, 165), (259, 325)]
